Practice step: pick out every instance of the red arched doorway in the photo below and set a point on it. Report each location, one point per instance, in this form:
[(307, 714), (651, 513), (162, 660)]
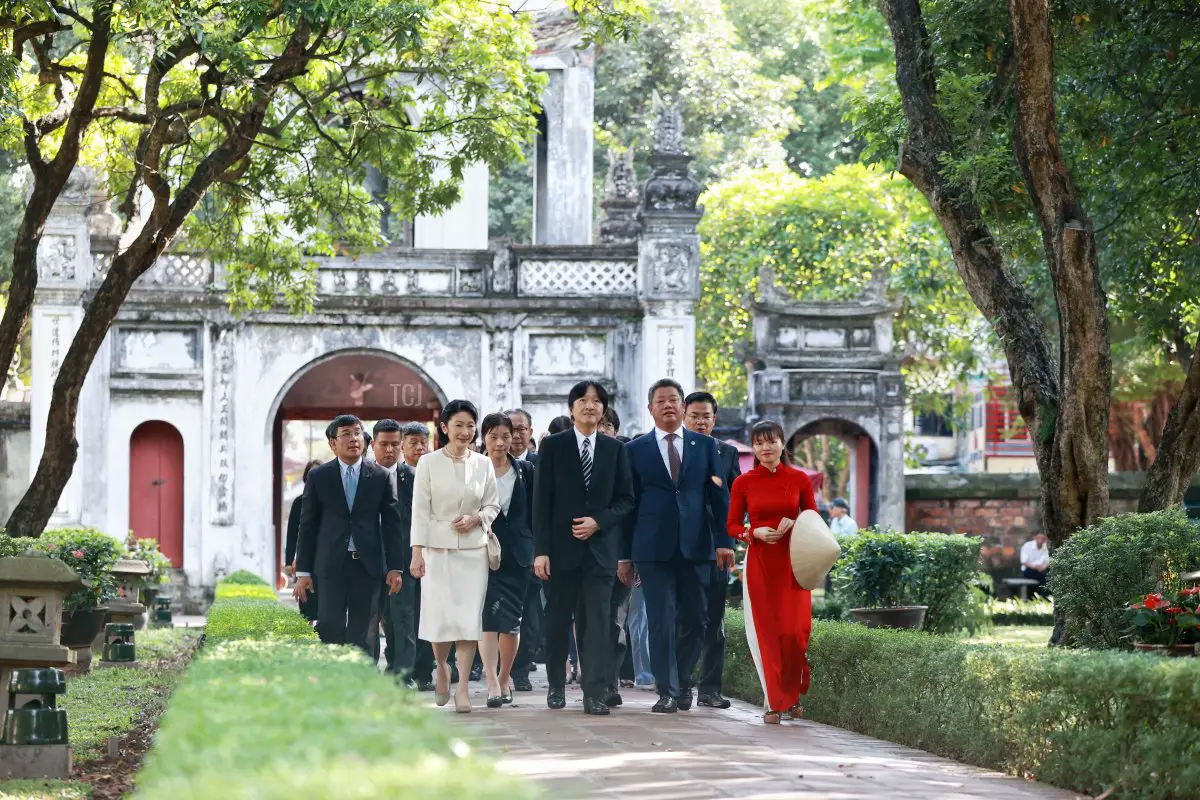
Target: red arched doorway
[(370, 385), (848, 456), (156, 487)]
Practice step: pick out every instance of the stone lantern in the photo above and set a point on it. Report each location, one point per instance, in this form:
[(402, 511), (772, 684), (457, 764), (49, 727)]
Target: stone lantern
[(32, 591), (129, 573)]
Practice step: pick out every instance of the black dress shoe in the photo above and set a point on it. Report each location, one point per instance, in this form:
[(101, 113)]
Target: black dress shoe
[(424, 686), (685, 700), (612, 698), (522, 684), (495, 702), (596, 708), (506, 699), (712, 700), (665, 705), (555, 699), (477, 672)]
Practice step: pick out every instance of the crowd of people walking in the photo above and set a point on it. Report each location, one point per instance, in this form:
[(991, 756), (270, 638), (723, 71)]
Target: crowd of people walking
[(486, 554)]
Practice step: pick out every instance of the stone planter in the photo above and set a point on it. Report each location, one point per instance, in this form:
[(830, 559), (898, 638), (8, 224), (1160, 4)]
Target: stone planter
[(907, 617), (1176, 650)]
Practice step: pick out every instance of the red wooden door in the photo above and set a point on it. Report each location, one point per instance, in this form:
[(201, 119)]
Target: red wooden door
[(156, 487)]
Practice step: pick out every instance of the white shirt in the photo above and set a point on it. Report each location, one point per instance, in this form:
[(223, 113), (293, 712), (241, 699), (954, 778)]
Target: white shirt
[(661, 436), (591, 440), (524, 456), (504, 488), (1034, 556), (843, 525)]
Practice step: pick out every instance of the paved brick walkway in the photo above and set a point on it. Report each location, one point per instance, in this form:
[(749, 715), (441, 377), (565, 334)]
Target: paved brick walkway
[(707, 753)]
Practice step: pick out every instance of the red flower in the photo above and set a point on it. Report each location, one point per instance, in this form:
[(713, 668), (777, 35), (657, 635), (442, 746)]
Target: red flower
[(52, 546), (1174, 610), (77, 553), (1153, 601)]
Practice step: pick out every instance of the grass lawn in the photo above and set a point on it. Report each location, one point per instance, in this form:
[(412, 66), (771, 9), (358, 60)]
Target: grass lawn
[(110, 702), (1014, 636)]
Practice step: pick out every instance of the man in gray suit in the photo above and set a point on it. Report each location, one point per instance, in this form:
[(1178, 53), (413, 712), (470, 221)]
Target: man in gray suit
[(700, 416)]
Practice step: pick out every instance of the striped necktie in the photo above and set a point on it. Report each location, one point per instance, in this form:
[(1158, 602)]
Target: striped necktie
[(585, 460)]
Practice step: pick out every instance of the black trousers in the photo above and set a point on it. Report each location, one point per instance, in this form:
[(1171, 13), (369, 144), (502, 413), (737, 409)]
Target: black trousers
[(1040, 577), (589, 589), (400, 628), (348, 606), (309, 607), (676, 592), (422, 670), (532, 625), (712, 656), (618, 612)]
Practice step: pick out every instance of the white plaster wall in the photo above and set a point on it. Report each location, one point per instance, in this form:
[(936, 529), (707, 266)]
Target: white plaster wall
[(185, 414), (668, 351), (464, 226)]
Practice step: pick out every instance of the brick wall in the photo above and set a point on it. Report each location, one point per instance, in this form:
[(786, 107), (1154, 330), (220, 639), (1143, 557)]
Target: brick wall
[(1005, 510)]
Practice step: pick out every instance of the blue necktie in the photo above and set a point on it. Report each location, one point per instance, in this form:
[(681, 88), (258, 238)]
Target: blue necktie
[(351, 486)]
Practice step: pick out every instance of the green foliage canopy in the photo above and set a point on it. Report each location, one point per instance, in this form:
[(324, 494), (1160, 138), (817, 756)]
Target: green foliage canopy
[(829, 238)]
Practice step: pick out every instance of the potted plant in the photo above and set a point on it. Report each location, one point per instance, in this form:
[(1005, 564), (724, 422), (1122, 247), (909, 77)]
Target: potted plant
[(1166, 624), (91, 554), (879, 573)]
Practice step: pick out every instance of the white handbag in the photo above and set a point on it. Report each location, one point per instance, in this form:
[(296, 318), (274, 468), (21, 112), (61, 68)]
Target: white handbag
[(493, 550)]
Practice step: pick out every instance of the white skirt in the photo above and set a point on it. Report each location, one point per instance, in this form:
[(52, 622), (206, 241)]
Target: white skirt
[(452, 595)]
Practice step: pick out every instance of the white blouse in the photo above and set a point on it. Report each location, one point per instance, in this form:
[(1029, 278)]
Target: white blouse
[(504, 488)]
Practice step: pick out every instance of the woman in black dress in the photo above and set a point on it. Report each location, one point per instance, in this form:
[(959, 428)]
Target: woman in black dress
[(507, 586)]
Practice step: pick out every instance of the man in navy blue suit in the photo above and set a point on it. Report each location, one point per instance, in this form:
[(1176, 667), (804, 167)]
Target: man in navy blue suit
[(671, 541)]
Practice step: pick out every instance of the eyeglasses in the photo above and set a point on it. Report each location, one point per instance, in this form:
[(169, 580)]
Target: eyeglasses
[(348, 436)]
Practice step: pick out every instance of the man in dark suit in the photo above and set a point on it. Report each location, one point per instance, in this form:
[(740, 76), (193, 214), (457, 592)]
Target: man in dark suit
[(414, 444), (679, 485), (350, 538), (532, 619), (581, 495), (700, 416), (399, 609)]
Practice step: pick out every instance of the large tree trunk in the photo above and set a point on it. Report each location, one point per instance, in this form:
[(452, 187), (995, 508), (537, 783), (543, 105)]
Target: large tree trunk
[(1078, 493), (49, 180), (1178, 456), (61, 448)]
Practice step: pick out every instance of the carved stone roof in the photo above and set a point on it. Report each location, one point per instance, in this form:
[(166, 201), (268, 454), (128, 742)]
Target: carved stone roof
[(556, 29)]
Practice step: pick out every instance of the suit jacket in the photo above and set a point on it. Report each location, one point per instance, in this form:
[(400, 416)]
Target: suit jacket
[(732, 469), (669, 519), (440, 494), (405, 477), (293, 531), (514, 529), (531, 458), (326, 523), (559, 497)]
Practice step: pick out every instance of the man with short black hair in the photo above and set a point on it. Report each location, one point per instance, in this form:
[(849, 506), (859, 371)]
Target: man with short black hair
[(399, 622), (414, 444), (581, 495), (350, 537), (679, 485), (522, 435), (700, 416)]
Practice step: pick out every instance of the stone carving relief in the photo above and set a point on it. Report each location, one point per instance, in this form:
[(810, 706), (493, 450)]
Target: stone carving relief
[(620, 225), (57, 337), (56, 258), (668, 129), (555, 355), (157, 350), (502, 367), (673, 266), (222, 410)]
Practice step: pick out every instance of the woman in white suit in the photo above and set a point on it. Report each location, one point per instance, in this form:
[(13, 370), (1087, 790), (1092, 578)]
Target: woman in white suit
[(454, 504)]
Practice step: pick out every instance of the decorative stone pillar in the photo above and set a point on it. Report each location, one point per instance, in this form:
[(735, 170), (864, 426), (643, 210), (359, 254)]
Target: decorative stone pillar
[(65, 268), (620, 224), (500, 366), (669, 258), (562, 211)]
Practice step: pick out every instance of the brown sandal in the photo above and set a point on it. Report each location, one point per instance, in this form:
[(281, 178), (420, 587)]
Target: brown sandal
[(773, 717)]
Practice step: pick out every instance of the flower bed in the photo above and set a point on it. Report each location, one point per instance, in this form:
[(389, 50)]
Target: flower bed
[(267, 712), (1085, 721)]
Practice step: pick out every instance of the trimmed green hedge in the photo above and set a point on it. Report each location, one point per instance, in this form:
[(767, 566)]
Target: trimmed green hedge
[(266, 712), (229, 591), (1085, 721), (243, 577), (1014, 611), (1096, 571)]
